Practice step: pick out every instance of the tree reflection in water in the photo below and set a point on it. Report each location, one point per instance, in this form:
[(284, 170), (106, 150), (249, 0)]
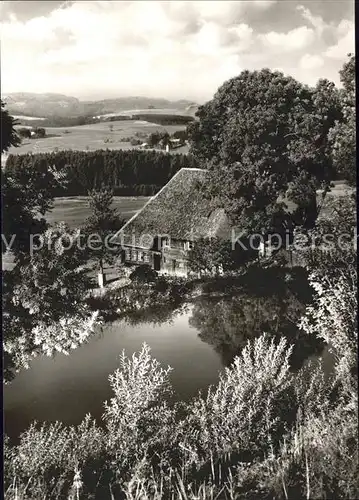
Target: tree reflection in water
[(228, 323), (234, 310)]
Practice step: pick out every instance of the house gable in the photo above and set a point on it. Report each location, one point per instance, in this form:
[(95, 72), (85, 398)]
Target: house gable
[(178, 211)]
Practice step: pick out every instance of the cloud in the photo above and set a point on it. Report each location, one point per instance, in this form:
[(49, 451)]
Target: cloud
[(309, 61), (316, 21), (345, 41), (296, 39), (173, 49)]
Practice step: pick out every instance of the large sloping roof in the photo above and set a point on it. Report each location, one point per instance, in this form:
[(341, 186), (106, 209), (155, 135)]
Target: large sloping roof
[(178, 210)]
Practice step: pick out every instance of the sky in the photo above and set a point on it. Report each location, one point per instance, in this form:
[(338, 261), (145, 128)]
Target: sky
[(173, 49)]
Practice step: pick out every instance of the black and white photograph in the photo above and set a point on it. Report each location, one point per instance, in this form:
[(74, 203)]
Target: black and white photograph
[(179, 250)]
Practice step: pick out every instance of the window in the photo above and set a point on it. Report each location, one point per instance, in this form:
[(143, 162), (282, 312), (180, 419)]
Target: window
[(128, 254), (146, 257), (165, 242), (134, 255), (188, 245), (140, 256)]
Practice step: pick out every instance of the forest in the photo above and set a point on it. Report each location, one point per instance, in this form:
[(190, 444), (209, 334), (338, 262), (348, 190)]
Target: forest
[(129, 173)]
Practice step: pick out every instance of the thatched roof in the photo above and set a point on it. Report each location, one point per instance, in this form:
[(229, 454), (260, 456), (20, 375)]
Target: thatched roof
[(178, 210)]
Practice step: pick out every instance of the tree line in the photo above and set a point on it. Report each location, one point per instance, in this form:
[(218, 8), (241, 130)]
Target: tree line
[(129, 173), (75, 121)]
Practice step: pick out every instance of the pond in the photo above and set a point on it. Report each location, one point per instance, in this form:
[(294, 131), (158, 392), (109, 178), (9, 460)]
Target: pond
[(197, 342), (67, 387)]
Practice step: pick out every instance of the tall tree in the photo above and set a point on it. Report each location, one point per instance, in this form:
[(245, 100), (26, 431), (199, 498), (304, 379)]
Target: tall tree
[(27, 194), (43, 294), (261, 134), (43, 300), (102, 223), (9, 136), (342, 135)]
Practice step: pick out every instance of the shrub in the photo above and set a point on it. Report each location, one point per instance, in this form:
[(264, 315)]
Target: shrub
[(143, 274), (40, 132), (333, 318), (49, 456), (243, 413), (24, 132), (139, 420)]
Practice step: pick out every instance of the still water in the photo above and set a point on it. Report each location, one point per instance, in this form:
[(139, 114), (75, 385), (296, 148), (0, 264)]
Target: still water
[(67, 387), (197, 342)]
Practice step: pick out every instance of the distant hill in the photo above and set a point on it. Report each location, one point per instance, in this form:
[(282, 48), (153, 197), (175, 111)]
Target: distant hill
[(192, 109), (50, 105)]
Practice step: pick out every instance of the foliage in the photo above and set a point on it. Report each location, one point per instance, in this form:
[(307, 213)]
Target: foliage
[(163, 139), (138, 418), (163, 119), (180, 134), (135, 142), (243, 413), (9, 136), (43, 307), (333, 318), (24, 132), (102, 223), (215, 256), (155, 138), (209, 255), (128, 172), (342, 135), (144, 274), (40, 132), (52, 455), (27, 194), (256, 138), (330, 247), (239, 441)]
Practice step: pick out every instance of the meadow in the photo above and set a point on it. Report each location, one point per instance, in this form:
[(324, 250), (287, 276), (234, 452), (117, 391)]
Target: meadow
[(103, 135), (74, 210)]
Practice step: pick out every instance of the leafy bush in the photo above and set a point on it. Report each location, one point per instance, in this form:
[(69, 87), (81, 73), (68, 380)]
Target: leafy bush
[(24, 132), (243, 413), (138, 418), (143, 274), (333, 318)]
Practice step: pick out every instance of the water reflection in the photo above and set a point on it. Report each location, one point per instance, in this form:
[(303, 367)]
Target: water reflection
[(196, 339), (227, 324)]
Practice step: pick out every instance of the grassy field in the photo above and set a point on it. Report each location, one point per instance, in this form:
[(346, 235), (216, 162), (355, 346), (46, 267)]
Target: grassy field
[(74, 210), (94, 136)]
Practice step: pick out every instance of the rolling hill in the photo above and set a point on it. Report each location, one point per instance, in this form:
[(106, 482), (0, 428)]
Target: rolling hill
[(24, 104)]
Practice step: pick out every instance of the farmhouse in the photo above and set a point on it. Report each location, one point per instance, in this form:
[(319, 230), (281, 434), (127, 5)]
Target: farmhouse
[(163, 232)]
